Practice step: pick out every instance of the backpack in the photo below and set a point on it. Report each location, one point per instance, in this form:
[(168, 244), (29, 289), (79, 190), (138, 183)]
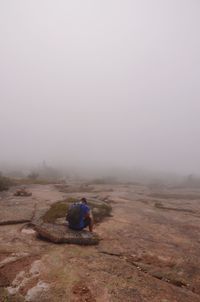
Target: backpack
[(74, 214)]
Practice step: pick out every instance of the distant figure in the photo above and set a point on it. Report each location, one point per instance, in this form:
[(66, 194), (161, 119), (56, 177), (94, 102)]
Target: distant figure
[(79, 216)]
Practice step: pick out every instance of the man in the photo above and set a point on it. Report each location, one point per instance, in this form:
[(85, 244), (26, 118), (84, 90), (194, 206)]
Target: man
[(79, 216)]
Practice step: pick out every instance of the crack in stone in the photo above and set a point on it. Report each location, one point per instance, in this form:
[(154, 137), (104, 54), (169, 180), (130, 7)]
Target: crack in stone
[(177, 283)]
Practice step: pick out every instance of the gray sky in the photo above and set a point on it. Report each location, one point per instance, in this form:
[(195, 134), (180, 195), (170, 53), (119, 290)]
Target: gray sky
[(101, 82)]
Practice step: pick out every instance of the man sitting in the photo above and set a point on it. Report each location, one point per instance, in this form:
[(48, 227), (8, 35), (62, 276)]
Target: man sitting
[(79, 216)]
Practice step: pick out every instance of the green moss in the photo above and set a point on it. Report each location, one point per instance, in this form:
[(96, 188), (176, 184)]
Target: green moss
[(100, 210), (37, 181), (57, 210)]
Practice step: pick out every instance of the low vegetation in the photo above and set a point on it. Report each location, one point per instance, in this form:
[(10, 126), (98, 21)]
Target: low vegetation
[(57, 210), (34, 181), (5, 183), (100, 210)]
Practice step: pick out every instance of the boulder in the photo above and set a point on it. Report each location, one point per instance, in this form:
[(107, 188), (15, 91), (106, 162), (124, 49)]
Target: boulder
[(62, 234), (22, 192)]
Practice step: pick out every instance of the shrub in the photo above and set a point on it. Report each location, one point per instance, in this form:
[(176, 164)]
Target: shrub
[(33, 175), (5, 183)]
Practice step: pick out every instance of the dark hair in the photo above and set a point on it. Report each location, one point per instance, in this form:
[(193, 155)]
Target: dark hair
[(84, 200)]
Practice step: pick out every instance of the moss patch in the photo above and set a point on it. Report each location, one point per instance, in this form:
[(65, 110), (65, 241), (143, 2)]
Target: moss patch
[(5, 183), (37, 181), (57, 210), (99, 209)]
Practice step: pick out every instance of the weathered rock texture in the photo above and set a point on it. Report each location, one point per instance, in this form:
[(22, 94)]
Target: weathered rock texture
[(62, 234), (149, 250)]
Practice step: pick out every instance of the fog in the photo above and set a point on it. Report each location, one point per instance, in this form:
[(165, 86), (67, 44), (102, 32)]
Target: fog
[(101, 83)]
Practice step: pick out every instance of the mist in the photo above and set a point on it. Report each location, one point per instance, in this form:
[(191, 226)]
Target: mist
[(101, 84)]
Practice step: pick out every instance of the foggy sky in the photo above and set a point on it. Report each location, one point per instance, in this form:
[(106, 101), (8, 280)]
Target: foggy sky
[(107, 82)]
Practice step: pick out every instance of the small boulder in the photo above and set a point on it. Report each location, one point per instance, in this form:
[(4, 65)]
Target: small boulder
[(22, 192), (62, 234)]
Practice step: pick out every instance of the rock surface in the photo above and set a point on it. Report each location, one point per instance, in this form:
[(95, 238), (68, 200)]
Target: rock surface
[(62, 234), (149, 250), (14, 211)]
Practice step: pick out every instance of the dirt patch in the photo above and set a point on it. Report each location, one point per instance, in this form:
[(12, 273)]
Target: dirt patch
[(81, 293)]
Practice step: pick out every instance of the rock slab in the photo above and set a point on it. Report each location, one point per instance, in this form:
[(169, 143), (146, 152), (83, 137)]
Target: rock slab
[(62, 234)]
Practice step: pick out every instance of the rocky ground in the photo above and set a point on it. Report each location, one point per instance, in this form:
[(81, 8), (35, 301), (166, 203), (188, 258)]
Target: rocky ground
[(149, 247)]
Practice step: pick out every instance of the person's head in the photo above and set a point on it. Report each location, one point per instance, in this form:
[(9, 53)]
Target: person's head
[(83, 200)]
